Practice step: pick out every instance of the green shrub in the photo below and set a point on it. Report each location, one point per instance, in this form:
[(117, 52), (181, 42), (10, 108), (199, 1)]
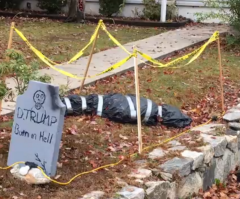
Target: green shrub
[(234, 21), (10, 4), (23, 73), (3, 89), (52, 6), (152, 10), (232, 17), (110, 7)]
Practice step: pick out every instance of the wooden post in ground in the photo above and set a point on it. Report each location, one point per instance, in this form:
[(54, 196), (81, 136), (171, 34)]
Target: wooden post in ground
[(89, 61), (221, 74), (138, 103), (11, 36), (7, 58)]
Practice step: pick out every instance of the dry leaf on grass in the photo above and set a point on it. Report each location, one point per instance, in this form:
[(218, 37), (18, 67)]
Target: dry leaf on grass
[(123, 137), (72, 130), (93, 163)]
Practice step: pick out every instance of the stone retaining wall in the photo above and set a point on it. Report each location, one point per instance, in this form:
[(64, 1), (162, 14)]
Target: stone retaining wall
[(195, 169)]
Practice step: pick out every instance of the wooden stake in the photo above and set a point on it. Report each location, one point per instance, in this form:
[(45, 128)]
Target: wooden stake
[(11, 36), (8, 47), (221, 74), (138, 105), (89, 62)]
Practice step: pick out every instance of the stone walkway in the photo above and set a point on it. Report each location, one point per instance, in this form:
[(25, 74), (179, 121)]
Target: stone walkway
[(156, 46)]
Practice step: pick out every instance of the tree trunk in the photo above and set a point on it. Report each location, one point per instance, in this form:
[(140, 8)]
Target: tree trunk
[(76, 11)]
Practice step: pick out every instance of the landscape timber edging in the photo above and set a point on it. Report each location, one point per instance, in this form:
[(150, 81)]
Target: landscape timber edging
[(140, 23)]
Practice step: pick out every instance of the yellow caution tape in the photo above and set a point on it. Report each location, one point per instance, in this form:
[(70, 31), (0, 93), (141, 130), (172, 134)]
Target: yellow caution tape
[(77, 56), (113, 39), (30, 45), (80, 53), (213, 38), (196, 52), (50, 63), (161, 65), (117, 65)]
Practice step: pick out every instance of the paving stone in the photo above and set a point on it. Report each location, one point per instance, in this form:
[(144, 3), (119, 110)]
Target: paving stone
[(202, 169), (218, 143), (180, 165), (232, 143), (208, 152), (174, 143), (131, 192), (233, 132), (166, 176), (209, 175), (189, 185), (197, 158), (141, 173), (156, 172), (94, 195), (177, 148), (232, 115), (209, 128), (224, 165), (141, 163), (161, 190), (121, 182), (139, 181), (234, 125), (156, 153)]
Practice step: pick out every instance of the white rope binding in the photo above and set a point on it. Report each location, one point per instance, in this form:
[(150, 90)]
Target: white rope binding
[(100, 105), (84, 103), (160, 111), (133, 112), (68, 105), (149, 110)]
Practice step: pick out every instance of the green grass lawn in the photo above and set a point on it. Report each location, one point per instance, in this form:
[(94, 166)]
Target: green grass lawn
[(179, 87), (61, 41)]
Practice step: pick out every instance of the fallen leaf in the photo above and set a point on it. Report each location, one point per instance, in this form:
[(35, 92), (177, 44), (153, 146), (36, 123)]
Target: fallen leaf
[(93, 122), (207, 194), (223, 196), (234, 177), (57, 177), (59, 165), (72, 130), (123, 137), (94, 165), (80, 120), (112, 149)]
